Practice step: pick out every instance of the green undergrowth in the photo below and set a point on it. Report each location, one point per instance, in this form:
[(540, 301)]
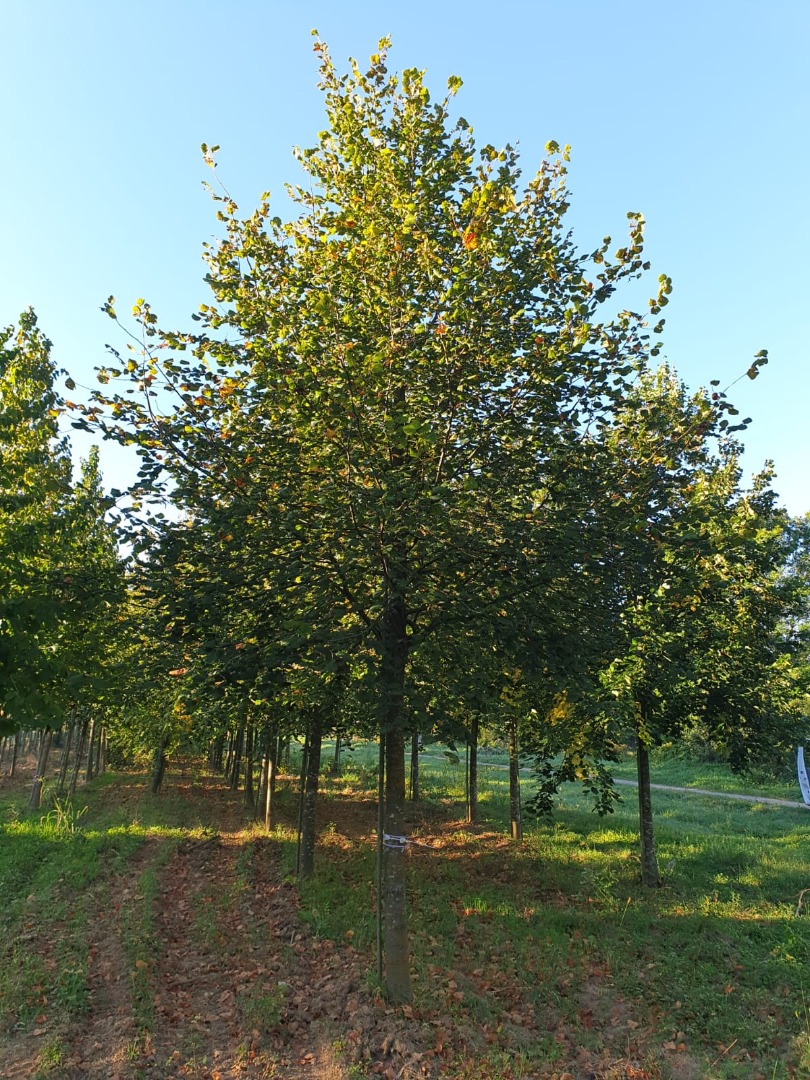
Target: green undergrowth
[(521, 944)]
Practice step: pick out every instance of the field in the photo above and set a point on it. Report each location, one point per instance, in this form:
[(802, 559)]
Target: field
[(163, 937)]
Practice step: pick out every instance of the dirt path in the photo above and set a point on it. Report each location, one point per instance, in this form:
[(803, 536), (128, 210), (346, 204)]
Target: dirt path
[(200, 967), (767, 799)]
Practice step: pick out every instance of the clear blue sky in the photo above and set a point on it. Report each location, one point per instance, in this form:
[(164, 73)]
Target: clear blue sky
[(695, 113)]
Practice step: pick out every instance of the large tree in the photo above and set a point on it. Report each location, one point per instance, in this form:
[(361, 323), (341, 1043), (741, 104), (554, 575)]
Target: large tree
[(393, 386)]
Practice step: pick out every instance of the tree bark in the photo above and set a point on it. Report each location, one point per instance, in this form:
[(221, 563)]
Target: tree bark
[(649, 860), (236, 763), (249, 796), (42, 764), (91, 742), (515, 813), (301, 789), (77, 761), (63, 767), (414, 785), (217, 750), (270, 790), (394, 647), (101, 751), (336, 759), (311, 795), (472, 803), (159, 765)]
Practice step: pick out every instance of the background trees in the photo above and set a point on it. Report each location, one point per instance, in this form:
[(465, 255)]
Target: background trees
[(34, 494)]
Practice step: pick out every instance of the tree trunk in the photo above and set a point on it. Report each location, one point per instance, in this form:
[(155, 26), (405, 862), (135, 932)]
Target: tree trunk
[(311, 795), (472, 803), (101, 751), (159, 764), (514, 784), (414, 785), (649, 860), (270, 796), (336, 759), (217, 751), (77, 761), (12, 771), (301, 786), (394, 648), (236, 763), (63, 766), (249, 797), (91, 742), (42, 764)]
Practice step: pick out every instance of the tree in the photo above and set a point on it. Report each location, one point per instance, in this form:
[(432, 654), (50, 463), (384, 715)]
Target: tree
[(697, 586), (392, 386), (34, 526)]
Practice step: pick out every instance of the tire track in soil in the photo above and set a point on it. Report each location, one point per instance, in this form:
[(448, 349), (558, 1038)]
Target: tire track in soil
[(235, 994), (101, 1047)]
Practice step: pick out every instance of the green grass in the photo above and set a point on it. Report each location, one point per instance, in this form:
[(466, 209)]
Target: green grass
[(50, 863), (530, 953), (559, 927)]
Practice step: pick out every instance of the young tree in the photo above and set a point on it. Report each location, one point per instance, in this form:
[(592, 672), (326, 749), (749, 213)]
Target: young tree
[(698, 569), (391, 384)]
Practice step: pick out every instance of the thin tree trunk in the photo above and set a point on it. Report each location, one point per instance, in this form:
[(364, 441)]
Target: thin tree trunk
[(231, 742), (236, 764), (14, 754), (101, 751), (649, 860), (264, 795), (336, 759), (514, 784), (472, 802), (42, 764), (249, 796), (77, 761), (159, 765), (63, 767), (311, 795), (394, 647), (414, 784), (88, 775), (270, 793), (301, 787), (217, 749), (261, 790)]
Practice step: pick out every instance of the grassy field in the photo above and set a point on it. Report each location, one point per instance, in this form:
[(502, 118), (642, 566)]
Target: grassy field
[(544, 959), (667, 768)]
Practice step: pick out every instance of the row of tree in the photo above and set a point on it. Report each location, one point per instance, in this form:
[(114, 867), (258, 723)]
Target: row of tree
[(424, 473)]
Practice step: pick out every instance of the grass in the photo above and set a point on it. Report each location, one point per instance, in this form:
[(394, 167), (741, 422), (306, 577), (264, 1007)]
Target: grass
[(712, 966), (52, 865), (531, 955)]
